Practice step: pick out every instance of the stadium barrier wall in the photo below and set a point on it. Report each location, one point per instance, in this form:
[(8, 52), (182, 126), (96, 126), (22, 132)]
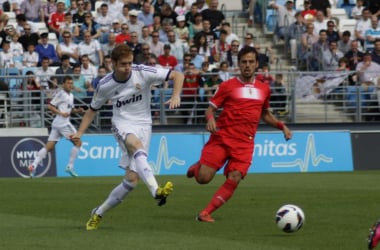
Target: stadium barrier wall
[(366, 148), (19, 146), (172, 153)]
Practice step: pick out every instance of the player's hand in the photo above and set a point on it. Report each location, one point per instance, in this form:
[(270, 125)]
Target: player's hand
[(74, 137), (65, 114), (211, 125), (287, 133), (174, 102)]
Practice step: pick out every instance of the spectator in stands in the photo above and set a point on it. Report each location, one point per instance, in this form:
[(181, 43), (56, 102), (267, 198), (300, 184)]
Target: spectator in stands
[(356, 12), (156, 46), (278, 95), (308, 13), (285, 18), (262, 58), (124, 36), (167, 60), (181, 30), (232, 56), (344, 44), (144, 56), (16, 47), (104, 20), (6, 56), (331, 57), (33, 10), (78, 18), (248, 40), (68, 48), (294, 38), (146, 37), (28, 37), (134, 24), (124, 15), (320, 22), (180, 7), (251, 12), (367, 70), (32, 85), (107, 63), (167, 25), (64, 69), (212, 83), (372, 34), (230, 36), (46, 49), (69, 26), (315, 58), (362, 25), (191, 85), (343, 65), (223, 72), (21, 22), (57, 17), (91, 26), (80, 85), (211, 36), (115, 28), (115, 7), (178, 48), (374, 7), (322, 5), (167, 12), (307, 40), (110, 45), (354, 55), (73, 7), (49, 8), (102, 71), (91, 48), (212, 14), (30, 57), (44, 73), (190, 15), (196, 27), (220, 48), (134, 44), (6, 34), (263, 74), (196, 58), (332, 34), (146, 14), (181, 65), (202, 5), (88, 70), (376, 52), (203, 48)]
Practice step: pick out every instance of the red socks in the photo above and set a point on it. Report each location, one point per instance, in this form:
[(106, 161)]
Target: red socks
[(222, 195)]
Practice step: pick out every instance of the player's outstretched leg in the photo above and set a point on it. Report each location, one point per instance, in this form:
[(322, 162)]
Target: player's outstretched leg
[(94, 220), (374, 235), (71, 171), (163, 192)]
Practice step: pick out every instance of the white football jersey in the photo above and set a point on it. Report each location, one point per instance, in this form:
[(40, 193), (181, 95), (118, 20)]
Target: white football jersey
[(131, 98), (64, 102)]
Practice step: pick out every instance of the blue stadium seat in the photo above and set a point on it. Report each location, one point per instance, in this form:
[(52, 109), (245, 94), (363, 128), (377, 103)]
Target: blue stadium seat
[(24, 70)]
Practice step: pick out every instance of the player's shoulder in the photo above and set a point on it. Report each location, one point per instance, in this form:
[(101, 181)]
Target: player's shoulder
[(142, 68), (106, 80)]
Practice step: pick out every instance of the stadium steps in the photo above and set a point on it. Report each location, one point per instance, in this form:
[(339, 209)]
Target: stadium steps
[(319, 111)]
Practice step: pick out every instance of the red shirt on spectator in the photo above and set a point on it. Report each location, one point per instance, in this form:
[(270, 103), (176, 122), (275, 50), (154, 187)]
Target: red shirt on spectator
[(167, 61), (56, 19), (121, 38)]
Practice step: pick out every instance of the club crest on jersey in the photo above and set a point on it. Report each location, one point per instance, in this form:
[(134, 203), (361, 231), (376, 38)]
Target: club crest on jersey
[(138, 86)]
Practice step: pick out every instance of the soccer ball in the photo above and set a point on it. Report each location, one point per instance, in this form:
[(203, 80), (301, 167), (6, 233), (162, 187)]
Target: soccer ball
[(290, 218)]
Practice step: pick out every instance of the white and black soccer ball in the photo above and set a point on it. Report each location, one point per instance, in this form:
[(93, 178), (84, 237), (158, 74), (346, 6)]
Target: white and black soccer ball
[(290, 218)]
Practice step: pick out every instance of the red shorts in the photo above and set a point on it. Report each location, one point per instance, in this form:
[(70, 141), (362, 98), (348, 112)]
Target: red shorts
[(220, 150)]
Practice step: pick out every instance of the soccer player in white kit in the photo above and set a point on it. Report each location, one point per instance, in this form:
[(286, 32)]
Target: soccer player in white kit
[(129, 89), (62, 105)]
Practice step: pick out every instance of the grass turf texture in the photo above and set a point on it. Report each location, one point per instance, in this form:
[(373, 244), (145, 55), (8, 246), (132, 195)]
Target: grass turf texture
[(50, 213)]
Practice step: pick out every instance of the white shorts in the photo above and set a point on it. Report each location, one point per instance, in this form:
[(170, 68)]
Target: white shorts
[(66, 131), (142, 132)]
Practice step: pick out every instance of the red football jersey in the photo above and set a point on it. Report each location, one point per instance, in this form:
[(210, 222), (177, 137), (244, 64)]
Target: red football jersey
[(242, 106)]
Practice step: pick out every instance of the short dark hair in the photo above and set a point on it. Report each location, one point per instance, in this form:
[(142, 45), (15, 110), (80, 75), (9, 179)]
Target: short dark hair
[(67, 77), (246, 50)]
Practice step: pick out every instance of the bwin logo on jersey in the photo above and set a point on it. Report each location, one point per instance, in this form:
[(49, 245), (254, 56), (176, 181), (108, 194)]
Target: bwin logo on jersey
[(128, 101)]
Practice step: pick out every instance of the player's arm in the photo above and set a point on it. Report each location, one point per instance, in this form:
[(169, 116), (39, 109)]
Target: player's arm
[(210, 118), (56, 111), (175, 99), (270, 119), (86, 121)]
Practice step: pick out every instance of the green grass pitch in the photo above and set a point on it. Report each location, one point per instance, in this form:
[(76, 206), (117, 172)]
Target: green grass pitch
[(50, 213)]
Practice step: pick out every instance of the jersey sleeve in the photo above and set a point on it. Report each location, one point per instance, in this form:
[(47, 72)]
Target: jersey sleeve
[(155, 76), (219, 96), (100, 97), (57, 99)]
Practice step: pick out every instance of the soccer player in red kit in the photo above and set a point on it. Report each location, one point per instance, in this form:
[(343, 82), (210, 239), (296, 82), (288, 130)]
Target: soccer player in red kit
[(245, 100)]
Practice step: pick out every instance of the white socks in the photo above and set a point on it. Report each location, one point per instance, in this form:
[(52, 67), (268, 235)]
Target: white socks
[(40, 155), (145, 171), (116, 196), (73, 155)]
